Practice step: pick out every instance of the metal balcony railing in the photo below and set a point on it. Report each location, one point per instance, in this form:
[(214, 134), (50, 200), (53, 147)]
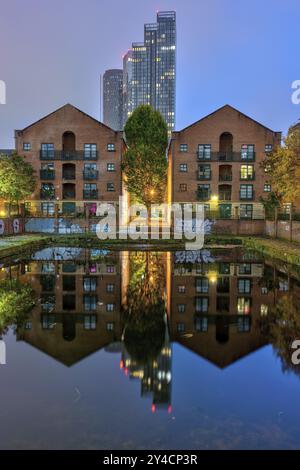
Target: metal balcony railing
[(68, 155), (225, 177), (226, 157), (203, 176)]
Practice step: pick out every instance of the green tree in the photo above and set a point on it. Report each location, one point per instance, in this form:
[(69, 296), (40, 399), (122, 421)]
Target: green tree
[(16, 303), (283, 168), (145, 163), (17, 180)]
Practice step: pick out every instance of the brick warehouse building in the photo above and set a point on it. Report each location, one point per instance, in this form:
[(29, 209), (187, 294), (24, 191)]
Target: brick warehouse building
[(217, 161), (77, 160)]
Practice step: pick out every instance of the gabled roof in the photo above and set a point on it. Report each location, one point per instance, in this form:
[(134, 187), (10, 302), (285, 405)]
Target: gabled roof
[(68, 105), (219, 109)]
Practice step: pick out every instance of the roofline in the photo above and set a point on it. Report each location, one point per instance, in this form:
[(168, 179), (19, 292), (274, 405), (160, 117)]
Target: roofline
[(219, 109), (61, 107)]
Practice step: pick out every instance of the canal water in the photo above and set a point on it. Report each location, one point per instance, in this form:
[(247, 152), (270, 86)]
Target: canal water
[(148, 350)]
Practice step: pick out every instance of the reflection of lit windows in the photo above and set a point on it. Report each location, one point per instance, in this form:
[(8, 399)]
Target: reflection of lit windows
[(110, 288), (181, 308), (48, 322), (89, 322), (283, 286), (202, 285), (201, 304), (93, 268), (181, 289), (264, 310), (110, 269), (89, 302), (243, 306), (201, 324), (47, 302), (245, 268), (110, 307), (48, 268), (202, 268), (264, 290), (243, 324), (28, 325), (244, 286), (224, 268), (110, 326), (89, 284), (180, 327)]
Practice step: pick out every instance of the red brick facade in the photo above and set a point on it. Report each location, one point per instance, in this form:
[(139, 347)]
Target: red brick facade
[(217, 161)]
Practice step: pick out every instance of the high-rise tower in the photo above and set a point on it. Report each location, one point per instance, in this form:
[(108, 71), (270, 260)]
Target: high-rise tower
[(113, 99)]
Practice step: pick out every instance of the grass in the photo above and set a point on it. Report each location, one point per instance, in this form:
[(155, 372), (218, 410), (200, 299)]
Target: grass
[(278, 249)]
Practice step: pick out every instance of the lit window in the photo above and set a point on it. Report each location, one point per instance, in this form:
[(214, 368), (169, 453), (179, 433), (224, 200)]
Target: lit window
[(111, 147), (247, 172), (264, 310), (110, 167), (243, 306), (183, 147)]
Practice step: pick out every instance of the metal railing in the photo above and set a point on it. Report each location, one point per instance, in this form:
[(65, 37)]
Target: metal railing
[(68, 155), (226, 157)]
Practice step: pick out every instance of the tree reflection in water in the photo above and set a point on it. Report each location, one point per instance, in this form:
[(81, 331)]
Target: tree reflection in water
[(144, 312), (16, 302)]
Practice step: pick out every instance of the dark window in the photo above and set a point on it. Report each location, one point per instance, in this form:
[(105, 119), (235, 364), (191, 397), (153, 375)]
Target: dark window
[(89, 302), (89, 322), (267, 188), (246, 211), (244, 286), (110, 326), (245, 268), (89, 284), (204, 151), (202, 285), (201, 324), (111, 147), (181, 289), (183, 167), (204, 172), (110, 288), (183, 187), (26, 146), (268, 148), (110, 187), (203, 192), (181, 308), (201, 304), (246, 191), (90, 151), (247, 152)]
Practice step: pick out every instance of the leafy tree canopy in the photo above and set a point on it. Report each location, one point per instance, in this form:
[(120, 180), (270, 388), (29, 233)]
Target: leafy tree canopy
[(145, 164), (17, 180), (283, 168)]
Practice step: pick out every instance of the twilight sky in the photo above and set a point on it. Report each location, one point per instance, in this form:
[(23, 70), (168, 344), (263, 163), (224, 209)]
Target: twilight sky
[(244, 53)]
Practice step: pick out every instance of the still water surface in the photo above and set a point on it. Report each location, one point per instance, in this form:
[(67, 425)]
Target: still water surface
[(135, 350)]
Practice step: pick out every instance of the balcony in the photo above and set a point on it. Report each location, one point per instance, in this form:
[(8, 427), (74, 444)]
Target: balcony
[(68, 155), (90, 175), (226, 157), (90, 194), (47, 174)]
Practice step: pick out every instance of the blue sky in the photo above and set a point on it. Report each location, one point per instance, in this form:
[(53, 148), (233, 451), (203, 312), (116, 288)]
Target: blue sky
[(242, 53)]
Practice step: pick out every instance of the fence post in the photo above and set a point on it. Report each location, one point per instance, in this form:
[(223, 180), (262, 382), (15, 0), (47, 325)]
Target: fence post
[(291, 222)]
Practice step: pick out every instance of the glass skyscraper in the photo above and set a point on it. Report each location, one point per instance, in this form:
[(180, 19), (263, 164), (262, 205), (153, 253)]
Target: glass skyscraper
[(150, 69), (113, 99)]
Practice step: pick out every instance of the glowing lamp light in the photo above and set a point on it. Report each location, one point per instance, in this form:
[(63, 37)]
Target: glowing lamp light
[(126, 371), (213, 278), (152, 192), (121, 364), (153, 408), (214, 198), (170, 409)]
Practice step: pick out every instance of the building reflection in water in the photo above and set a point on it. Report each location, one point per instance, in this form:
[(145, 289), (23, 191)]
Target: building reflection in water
[(222, 305)]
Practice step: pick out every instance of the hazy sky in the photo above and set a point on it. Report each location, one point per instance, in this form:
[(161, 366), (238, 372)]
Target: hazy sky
[(245, 53)]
